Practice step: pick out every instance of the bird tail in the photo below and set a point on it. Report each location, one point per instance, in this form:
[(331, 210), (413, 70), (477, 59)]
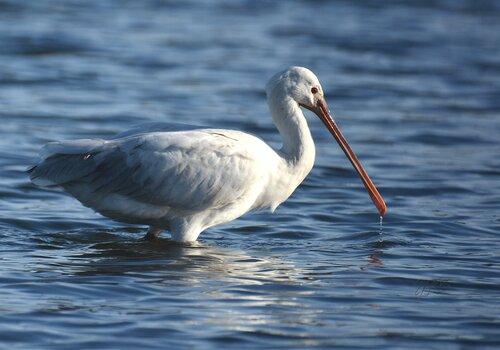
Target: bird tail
[(65, 161)]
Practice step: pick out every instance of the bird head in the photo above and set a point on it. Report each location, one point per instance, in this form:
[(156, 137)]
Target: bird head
[(303, 87)]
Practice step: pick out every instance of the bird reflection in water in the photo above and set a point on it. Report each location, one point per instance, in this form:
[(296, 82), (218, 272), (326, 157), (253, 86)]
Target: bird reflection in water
[(115, 253)]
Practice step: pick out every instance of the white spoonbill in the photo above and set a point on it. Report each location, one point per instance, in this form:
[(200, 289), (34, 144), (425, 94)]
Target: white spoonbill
[(187, 179)]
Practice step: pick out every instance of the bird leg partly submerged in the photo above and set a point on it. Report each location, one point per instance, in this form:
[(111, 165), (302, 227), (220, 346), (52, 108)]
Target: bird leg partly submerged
[(152, 234)]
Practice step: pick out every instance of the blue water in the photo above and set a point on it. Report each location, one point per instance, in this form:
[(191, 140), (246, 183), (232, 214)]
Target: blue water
[(415, 86)]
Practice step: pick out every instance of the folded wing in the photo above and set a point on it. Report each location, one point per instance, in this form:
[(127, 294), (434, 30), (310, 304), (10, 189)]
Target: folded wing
[(187, 170)]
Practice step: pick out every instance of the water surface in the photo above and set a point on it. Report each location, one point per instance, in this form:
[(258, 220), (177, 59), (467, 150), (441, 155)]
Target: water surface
[(415, 87)]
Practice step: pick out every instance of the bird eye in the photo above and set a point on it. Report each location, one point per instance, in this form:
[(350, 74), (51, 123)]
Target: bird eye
[(314, 90)]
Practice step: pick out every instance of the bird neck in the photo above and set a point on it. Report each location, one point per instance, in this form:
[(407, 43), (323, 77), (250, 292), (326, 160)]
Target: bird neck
[(298, 146)]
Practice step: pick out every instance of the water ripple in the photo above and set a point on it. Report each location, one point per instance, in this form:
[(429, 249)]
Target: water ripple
[(417, 101)]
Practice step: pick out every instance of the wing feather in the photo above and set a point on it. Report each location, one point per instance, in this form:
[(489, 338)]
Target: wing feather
[(186, 170)]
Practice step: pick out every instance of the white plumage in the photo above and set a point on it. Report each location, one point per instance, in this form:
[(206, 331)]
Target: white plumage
[(186, 179)]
